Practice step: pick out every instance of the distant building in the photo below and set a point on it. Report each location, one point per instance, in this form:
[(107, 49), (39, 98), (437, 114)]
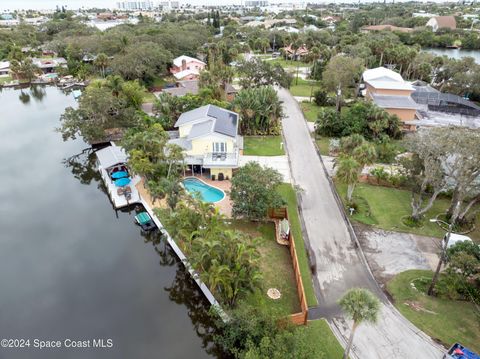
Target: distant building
[(388, 90), (6, 17), (268, 23), (169, 5), (49, 65), (442, 22), (106, 16), (373, 28), (296, 54), (423, 14), (183, 88), (13, 22), (183, 63), (255, 3), (135, 5), (4, 68), (330, 20)]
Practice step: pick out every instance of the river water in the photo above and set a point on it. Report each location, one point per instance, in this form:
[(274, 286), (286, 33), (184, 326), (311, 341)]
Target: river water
[(455, 53), (70, 266)]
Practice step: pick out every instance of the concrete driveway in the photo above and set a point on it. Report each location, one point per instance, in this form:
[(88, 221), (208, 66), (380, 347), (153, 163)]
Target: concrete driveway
[(338, 265), (389, 253), (280, 163)]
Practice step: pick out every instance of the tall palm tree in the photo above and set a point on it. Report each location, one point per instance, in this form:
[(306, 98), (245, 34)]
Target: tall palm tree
[(360, 305), (101, 61), (347, 172)]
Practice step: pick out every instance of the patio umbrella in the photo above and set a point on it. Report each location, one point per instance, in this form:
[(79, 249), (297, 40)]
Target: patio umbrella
[(119, 174), (122, 182)]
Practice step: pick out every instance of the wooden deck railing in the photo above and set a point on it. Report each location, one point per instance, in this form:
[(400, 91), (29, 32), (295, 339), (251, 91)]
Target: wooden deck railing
[(301, 317)]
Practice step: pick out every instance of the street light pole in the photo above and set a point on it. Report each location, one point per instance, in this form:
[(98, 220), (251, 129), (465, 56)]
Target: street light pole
[(443, 258)]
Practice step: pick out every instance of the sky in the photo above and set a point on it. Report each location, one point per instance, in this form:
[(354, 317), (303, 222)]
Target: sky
[(75, 4)]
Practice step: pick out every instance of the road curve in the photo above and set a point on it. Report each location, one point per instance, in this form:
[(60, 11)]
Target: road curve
[(337, 262)]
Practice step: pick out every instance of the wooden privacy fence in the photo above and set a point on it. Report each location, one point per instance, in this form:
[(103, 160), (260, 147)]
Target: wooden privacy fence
[(301, 317)]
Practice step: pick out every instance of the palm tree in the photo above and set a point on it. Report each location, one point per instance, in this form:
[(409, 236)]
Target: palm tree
[(115, 84), (101, 61), (365, 154), (24, 69), (347, 172), (360, 305)]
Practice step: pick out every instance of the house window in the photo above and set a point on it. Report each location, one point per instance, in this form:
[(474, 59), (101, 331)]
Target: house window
[(219, 147)]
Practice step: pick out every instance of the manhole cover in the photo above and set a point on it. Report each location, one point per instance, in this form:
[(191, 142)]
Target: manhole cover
[(274, 293)]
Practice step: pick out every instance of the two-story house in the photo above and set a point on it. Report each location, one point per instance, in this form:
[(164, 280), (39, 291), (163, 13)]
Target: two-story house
[(388, 90), (210, 140), (187, 68)]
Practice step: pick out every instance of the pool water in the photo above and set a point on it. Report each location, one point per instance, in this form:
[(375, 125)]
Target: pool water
[(207, 193)]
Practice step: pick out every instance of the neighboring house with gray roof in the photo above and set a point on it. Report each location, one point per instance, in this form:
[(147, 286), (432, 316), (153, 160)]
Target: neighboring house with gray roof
[(183, 88), (210, 140)]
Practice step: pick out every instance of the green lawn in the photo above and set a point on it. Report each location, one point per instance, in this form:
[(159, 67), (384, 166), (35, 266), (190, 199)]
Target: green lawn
[(5, 79), (149, 97), (383, 207), (288, 194), (287, 63), (323, 144), (263, 146), (277, 270), (310, 111), (445, 320), (318, 333), (304, 88)]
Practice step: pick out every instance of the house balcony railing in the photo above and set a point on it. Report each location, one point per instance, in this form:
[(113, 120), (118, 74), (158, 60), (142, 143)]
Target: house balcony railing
[(221, 159)]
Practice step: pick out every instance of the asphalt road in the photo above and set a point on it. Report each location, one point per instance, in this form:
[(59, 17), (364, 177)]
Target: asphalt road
[(338, 264)]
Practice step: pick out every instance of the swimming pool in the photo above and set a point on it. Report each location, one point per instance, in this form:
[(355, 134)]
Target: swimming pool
[(208, 193)]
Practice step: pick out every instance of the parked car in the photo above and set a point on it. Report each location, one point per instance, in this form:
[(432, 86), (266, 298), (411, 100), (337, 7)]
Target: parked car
[(458, 351), (454, 239)]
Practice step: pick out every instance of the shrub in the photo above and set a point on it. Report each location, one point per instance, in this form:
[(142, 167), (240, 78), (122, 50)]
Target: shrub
[(380, 174), (329, 123), (334, 145), (320, 97), (386, 151)]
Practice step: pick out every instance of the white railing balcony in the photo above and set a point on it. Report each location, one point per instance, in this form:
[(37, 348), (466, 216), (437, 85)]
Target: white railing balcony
[(221, 159)]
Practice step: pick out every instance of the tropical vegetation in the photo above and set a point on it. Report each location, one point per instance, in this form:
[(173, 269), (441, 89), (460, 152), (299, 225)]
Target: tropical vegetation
[(254, 191), (361, 306)]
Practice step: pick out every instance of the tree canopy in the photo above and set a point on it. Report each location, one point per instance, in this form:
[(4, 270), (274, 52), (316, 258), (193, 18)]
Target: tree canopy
[(254, 191)]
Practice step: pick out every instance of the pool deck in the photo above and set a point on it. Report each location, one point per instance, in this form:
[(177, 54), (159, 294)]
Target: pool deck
[(225, 205)]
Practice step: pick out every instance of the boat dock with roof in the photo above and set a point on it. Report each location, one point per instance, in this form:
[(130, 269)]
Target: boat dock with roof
[(120, 183)]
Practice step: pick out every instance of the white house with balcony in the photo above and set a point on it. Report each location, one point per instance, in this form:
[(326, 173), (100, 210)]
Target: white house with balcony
[(210, 140)]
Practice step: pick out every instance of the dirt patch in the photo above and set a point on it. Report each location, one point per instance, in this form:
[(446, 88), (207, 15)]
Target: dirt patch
[(416, 306)]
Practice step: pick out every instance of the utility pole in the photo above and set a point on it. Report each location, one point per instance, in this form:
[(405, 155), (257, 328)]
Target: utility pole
[(443, 258), (443, 254)]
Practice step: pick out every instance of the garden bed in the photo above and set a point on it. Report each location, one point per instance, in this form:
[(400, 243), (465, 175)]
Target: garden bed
[(289, 196)]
